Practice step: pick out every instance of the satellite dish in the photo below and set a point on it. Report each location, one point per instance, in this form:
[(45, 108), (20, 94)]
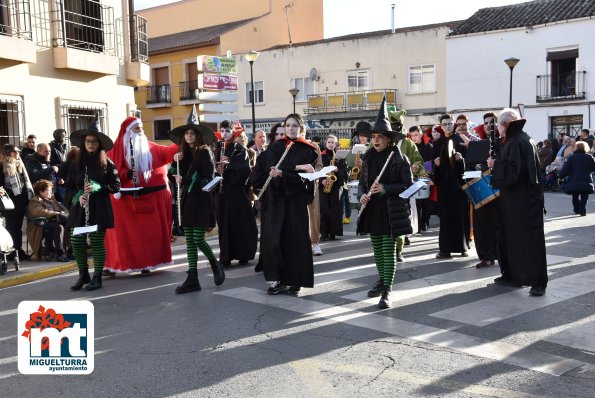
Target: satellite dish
[(314, 74)]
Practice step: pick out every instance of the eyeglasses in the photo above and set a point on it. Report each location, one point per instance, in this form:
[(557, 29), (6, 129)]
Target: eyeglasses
[(447, 124), (92, 142)]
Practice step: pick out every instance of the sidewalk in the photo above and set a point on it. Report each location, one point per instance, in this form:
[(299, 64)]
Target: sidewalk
[(34, 270)]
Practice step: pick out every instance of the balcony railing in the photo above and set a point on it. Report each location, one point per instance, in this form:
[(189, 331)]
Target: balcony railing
[(15, 19), (350, 101), (85, 25), (189, 90), (561, 87), (159, 94), (139, 40)]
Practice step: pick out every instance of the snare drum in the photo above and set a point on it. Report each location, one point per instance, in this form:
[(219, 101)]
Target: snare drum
[(480, 191), (352, 190), (423, 193)]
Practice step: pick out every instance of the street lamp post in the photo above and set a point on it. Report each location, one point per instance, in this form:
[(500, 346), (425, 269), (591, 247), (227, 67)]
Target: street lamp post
[(294, 92), (511, 62), (251, 57)]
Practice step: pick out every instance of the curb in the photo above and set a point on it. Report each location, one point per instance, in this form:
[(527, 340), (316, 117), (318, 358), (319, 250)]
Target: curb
[(33, 276), (27, 277)]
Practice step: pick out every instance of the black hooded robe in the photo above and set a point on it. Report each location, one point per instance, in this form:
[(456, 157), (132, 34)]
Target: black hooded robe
[(522, 241), (452, 203), (287, 252), (238, 233)]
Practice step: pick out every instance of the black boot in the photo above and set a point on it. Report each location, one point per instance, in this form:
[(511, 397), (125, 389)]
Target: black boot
[(96, 282), (376, 290), (191, 283), (385, 299), (218, 272), (83, 279)]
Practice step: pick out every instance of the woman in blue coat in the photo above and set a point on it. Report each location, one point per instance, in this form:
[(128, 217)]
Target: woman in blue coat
[(577, 170)]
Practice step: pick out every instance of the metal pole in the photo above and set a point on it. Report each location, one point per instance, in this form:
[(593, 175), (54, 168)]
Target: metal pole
[(294, 104), (510, 92), (253, 98)]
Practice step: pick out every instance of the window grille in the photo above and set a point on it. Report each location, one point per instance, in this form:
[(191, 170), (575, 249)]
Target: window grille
[(80, 117), (15, 19), (12, 122)]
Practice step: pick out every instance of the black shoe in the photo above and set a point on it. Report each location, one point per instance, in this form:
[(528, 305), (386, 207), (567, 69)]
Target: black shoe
[(506, 282), (24, 256), (400, 257), (83, 279), (96, 282), (537, 291), (294, 290), (107, 272), (258, 267), (385, 298), (276, 288), (225, 263), (243, 262), (584, 213), (442, 255), (62, 258), (464, 254), (332, 237), (376, 290), (145, 272), (191, 284), (407, 241), (218, 272)]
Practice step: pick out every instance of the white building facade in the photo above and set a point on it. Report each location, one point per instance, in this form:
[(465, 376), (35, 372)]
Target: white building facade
[(552, 81)]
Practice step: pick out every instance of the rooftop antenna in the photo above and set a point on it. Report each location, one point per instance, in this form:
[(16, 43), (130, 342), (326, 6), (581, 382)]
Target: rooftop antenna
[(286, 8), (392, 19)]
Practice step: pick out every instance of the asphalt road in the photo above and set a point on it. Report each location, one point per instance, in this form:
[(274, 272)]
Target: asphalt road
[(450, 332)]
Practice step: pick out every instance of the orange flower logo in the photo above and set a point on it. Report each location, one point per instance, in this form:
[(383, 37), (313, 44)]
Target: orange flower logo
[(43, 319)]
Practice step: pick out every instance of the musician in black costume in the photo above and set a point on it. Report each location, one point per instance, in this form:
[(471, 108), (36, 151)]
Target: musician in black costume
[(91, 178), (286, 256), (331, 224), (386, 215), (196, 169)]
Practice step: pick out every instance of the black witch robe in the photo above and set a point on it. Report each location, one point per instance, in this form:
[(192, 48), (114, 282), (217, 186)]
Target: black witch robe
[(238, 233), (286, 252), (330, 203), (522, 240), (452, 201), (197, 170)]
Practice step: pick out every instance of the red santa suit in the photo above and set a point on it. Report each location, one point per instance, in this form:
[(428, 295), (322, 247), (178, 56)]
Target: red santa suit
[(141, 237)]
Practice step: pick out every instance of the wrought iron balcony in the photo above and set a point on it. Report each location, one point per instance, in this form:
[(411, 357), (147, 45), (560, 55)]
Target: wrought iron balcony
[(84, 25), (15, 19), (189, 90), (561, 87), (159, 94), (139, 41), (350, 101)]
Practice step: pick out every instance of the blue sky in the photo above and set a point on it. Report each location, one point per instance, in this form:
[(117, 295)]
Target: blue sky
[(344, 17)]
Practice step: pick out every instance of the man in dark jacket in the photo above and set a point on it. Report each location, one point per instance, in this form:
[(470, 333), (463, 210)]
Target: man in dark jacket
[(58, 155), (522, 241), (586, 137), (38, 166)]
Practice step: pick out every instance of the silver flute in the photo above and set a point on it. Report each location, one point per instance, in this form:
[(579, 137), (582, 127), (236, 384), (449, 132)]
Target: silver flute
[(390, 155), (179, 193), (86, 195), (268, 181)]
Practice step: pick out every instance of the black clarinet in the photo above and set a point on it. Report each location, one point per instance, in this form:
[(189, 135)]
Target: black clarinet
[(133, 167), (492, 127)]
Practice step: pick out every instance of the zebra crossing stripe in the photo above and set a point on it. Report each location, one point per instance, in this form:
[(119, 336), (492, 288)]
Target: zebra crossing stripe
[(581, 337), (497, 308), (496, 350)]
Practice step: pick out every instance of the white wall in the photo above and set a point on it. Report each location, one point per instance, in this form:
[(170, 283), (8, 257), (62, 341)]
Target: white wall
[(478, 78), (387, 57)]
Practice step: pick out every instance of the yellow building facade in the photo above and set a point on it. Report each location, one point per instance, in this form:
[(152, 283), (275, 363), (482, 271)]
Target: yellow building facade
[(222, 27)]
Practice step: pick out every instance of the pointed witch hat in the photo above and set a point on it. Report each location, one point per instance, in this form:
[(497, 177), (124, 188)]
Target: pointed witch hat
[(382, 124), (94, 129), (193, 124)]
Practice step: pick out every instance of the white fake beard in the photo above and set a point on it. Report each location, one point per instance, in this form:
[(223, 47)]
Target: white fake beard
[(143, 160)]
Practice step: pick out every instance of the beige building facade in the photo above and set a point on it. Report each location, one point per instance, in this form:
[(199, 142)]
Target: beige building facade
[(342, 80), (62, 62)]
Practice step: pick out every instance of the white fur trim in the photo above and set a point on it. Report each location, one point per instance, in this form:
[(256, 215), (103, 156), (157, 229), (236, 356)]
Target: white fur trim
[(132, 124)]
